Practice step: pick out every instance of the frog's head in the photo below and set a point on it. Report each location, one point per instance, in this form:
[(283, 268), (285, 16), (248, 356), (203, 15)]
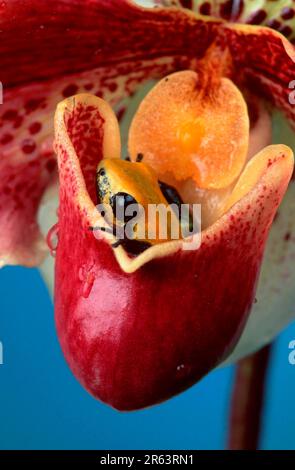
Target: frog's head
[(129, 188)]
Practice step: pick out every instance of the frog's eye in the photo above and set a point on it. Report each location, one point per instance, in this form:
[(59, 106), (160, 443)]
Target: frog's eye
[(119, 203), (101, 172), (102, 185), (170, 194)]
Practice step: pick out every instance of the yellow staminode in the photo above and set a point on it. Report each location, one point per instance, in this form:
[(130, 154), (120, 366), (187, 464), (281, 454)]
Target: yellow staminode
[(191, 127)]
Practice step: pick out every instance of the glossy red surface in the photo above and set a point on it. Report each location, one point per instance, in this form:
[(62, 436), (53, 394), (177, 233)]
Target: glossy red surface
[(136, 339)]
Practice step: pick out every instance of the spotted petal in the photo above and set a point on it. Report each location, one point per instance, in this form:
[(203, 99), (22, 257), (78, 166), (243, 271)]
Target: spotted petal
[(60, 48), (274, 307), (276, 14)]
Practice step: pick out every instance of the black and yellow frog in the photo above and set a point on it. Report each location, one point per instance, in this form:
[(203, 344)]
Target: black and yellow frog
[(122, 183)]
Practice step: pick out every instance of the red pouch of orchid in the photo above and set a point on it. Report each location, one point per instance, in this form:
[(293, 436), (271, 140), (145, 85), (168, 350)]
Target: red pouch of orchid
[(136, 330)]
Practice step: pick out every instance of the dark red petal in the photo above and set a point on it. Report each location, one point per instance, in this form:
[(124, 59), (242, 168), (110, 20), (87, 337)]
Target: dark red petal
[(137, 332), (266, 62), (276, 14), (60, 37)]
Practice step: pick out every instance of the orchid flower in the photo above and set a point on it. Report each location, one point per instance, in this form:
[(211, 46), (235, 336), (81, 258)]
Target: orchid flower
[(137, 330)]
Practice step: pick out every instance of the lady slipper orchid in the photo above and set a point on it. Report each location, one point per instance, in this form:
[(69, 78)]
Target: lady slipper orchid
[(136, 330)]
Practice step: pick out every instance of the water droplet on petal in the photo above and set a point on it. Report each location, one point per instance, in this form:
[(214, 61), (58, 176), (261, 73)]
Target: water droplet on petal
[(52, 239), (182, 370), (87, 277), (88, 285)]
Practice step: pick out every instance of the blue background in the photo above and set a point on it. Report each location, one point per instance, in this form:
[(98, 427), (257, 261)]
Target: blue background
[(42, 406)]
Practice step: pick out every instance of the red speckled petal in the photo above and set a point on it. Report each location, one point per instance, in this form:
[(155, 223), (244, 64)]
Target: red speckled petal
[(266, 61), (135, 339), (51, 50), (263, 56), (276, 14)]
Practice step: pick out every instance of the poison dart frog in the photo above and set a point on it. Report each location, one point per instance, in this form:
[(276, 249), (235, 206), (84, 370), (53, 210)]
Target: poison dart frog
[(122, 183)]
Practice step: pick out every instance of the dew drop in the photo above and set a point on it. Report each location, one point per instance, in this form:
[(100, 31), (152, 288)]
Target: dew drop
[(52, 239), (87, 277), (87, 287), (182, 370)]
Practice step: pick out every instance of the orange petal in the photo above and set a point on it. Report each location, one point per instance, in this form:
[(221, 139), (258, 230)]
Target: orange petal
[(187, 127)]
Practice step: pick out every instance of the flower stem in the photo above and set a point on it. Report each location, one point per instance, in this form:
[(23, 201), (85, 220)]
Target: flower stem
[(248, 400)]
